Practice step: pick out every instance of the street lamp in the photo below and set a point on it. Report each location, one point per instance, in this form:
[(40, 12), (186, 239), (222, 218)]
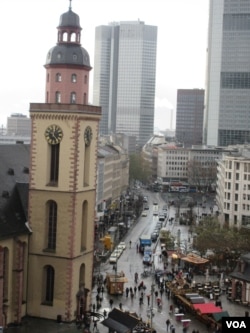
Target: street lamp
[(150, 311)]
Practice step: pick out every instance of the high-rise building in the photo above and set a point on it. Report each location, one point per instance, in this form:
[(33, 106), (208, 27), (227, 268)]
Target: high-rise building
[(18, 124), (227, 102), (189, 116), (124, 78)]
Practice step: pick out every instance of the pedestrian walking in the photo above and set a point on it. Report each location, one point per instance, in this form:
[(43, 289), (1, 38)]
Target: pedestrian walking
[(172, 328), (135, 290), (168, 324), (130, 243), (158, 300), (111, 303), (140, 301), (148, 298), (104, 313), (95, 326), (120, 306)]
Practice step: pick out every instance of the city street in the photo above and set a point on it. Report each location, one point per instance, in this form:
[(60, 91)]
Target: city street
[(130, 262)]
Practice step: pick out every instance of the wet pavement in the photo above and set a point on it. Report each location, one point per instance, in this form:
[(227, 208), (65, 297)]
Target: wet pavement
[(129, 262)]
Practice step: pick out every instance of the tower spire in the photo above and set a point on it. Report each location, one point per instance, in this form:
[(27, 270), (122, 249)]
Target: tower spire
[(70, 4)]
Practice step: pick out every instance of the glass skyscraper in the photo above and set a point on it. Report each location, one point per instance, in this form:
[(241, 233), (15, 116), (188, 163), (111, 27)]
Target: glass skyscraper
[(124, 78), (227, 101), (189, 116)]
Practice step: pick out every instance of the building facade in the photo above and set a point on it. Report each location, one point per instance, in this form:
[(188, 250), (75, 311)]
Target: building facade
[(48, 201), (227, 98), (233, 187), (189, 116), (18, 125), (124, 78), (112, 175), (62, 182)]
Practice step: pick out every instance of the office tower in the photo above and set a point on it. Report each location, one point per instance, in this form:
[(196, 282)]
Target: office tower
[(124, 78), (18, 124), (189, 116), (227, 102)]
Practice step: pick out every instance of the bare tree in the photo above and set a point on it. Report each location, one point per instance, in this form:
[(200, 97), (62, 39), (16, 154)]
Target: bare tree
[(202, 174)]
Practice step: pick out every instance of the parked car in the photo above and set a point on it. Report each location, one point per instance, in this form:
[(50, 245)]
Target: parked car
[(122, 245), (146, 260), (146, 207), (157, 231), (161, 217), (154, 236), (113, 259), (144, 213)]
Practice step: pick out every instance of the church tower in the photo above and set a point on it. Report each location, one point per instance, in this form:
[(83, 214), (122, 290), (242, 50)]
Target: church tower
[(62, 182)]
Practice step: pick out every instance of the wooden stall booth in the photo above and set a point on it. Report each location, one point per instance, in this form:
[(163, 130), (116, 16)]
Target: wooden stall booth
[(115, 283)]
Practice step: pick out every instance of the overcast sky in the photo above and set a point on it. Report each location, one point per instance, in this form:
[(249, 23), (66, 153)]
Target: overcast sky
[(28, 31)]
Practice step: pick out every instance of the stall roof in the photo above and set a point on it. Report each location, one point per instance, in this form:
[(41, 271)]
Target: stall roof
[(115, 325), (189, 295), (118, 279), (195, 259), (207, 308), (217, 316), (120, 321), (197, 300)]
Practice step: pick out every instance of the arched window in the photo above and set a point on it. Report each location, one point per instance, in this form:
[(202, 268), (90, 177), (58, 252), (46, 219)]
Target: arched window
[(84, 225), (85, 79), (84, 98), (73, 78), (54, 163), (58, 97), (65, 36), (4, 256), (58, 77), (51, 224), (73, 37), (73, 98), (49, 280)]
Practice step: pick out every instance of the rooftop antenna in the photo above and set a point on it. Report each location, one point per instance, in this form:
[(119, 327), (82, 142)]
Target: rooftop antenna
[(70, 4)]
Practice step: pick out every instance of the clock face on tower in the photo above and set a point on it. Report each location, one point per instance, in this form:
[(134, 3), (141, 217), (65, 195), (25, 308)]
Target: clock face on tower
[(88, 135), (53, 134)]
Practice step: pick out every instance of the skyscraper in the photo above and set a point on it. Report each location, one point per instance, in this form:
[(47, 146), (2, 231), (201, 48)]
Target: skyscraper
[(189, 116), (124, 78), (227, 106)]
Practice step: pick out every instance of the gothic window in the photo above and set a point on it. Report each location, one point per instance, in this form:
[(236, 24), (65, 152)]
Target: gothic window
[(54, 163), (49, 280), (58, 97), (73, 78), (73, 98), (5, 261), (85, 98), (58, 77), (52, 224), (84, 225), (85, 79)]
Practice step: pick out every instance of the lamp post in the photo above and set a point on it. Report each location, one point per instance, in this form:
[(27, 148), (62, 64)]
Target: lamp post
[(150, 311)]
